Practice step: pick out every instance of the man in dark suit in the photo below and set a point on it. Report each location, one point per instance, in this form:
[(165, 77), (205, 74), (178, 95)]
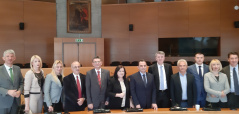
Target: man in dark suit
[(198, 70), (232, 74), (74, 89), (162, 74), (97, 80), (183, 89), (142, 88), (11, 84)]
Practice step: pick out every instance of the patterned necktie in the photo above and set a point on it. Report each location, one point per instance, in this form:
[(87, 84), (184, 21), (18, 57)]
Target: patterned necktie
[(161, 78), (144, 79), (11, 74), (99, 80), (78, 87), (235, 81)]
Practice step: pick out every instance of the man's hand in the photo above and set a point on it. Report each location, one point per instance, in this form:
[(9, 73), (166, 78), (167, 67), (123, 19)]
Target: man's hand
[(90, 106), (18, 93), (138, 106), (154, 106), (106, 103), (12, 93), (81, 101)]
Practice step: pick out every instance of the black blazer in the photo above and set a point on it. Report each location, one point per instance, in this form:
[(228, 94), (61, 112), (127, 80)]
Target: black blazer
[(153, 69), (142, 95), (113, 88), (71, 93), (176, 90)]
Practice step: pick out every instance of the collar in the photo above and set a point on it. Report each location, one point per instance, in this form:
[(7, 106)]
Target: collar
[(142, 73), (7, 67), (76, 75), (233, 67), (198, 65), (98, 70), (160, 65)]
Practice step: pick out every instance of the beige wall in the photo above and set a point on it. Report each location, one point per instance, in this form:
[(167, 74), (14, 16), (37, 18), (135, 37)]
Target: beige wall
[(202, 18), (38, 35)]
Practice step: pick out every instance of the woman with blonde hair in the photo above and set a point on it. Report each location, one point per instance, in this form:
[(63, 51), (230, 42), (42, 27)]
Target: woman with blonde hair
[(216, 85), (53, 88), (33, 86)]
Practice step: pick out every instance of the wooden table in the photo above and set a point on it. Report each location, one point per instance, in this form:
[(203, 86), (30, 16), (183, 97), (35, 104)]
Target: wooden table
[(166, 111)]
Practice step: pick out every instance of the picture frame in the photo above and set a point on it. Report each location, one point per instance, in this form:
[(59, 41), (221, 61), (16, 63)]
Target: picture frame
[(78, 16)]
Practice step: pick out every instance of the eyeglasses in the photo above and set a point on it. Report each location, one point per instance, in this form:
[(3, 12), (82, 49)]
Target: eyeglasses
[(96, 61)]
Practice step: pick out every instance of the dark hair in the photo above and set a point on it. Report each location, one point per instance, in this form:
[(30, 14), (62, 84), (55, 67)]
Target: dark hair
[(96, 57), (142, 60), (116, 71), (232, 53), (198, 53)]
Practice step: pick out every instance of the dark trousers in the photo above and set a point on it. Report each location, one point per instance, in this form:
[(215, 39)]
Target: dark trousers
[(217, 105), (11, 110), (163, 100), (233, 100), (56, 106)]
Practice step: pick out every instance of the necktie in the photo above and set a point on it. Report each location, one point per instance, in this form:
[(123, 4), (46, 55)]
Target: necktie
[(11, 74), (99, 80), (200, 72), (161, 78), (235, 81), (144, 79), (78, 87)]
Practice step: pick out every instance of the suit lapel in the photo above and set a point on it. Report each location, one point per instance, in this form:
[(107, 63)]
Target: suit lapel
[(102, 78), (57, 81), (5, 73), (212, 76), (204, 69), (195, 69), (74, 81), (179, 82)]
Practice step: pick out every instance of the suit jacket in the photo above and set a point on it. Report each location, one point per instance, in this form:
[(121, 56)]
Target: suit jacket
[(176, 90), (153, 69), (214, 87), (113, 88), (201, 93), (143, 96), (71, 93), (6, 84), (52, 90), (226, 70), (95, 94)]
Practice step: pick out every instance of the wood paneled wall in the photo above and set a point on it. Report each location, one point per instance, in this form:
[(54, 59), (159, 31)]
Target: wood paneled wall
[(203, 18), (38, 34)]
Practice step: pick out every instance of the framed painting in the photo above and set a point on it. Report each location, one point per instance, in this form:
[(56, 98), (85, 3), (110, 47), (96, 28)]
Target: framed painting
[(78, 16)]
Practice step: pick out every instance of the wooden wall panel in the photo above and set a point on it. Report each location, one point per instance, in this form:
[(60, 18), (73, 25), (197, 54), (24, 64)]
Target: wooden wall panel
[(70, 54), (172, 19), (86, 53), (11, 37), (40, 24), (143, 40), (115, 30), (204, 18)]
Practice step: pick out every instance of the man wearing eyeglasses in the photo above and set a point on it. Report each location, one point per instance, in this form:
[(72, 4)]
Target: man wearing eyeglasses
[(96, 84)]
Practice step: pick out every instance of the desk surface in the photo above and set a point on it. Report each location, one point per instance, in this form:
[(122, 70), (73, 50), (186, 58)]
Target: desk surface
[(166, 111)]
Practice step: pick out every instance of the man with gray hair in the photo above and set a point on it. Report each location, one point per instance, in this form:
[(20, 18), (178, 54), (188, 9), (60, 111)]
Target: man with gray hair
[(162, 74), (11, 84), (182, 87)]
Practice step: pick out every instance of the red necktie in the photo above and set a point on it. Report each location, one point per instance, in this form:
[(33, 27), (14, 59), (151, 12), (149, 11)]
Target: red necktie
[(99, 78), (78, 87)]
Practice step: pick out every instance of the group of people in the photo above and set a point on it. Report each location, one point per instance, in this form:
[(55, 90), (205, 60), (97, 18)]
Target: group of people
[(158, 88)]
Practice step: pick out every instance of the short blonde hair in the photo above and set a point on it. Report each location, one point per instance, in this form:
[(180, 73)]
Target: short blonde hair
[(32, 59), (182, 60), (215, 61)]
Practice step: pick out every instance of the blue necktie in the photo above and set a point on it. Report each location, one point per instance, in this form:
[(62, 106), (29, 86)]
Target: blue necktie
[(161, 78), (200, 73), (235, 81)]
